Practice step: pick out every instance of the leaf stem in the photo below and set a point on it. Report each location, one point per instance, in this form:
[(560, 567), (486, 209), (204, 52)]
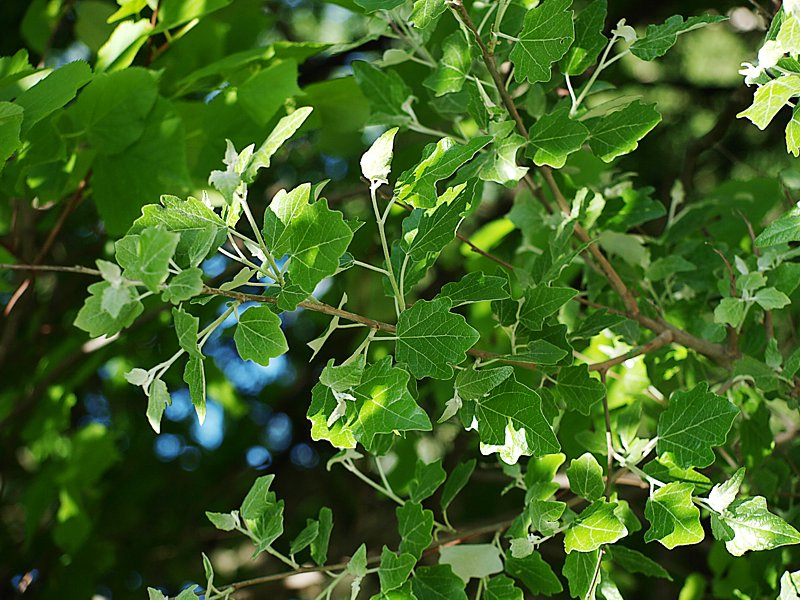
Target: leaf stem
[(401, 303), (350, 466)]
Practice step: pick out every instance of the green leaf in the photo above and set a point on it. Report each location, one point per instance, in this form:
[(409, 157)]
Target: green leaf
[(116, 298), (52, 92), (789, 34), (154, 594), (160, 158), (255, 502), (195, 377), (586, 477), (473, 385), (305, 537), (258, 335), (123, 45), (201, 230), (415, 526), (319, 545), (430, 339), (695, 421), (669, 265), (544, 514), (459, 477), (343, 377), (376, 163), (145, 257), (535, 574), (782, 230), (674, 519), (502, 588), (188, 593), (285, 129), (771, 299), (114, 107), (223, 521), (755, 528), (427, 479), (475, 287), (386, 92), (589, 39), (97, 321), (597, 525), (417, 186), (437, 227), (578, 389), (723, 494), (184, 286), (264, 93), (619, 133), (555, 136), (512, 404), (770, 98), (546, 35), (263, 514), (426, 12), (10, 126), (541, 302), (658, 39), (187, 327), (371, 6), (503, 167), (437, 583), (579, 568), (157, 401), (394, 569), (452, 69), (472, 560), (633, 561)]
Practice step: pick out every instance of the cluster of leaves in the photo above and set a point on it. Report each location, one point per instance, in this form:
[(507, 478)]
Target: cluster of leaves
[(693, 325)]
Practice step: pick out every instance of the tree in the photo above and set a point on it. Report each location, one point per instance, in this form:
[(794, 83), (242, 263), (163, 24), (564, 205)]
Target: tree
[(538, 338)]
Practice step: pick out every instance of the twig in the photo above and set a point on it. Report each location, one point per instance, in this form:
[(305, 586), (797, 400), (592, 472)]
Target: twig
[(663, 338), (733, 334), (768, 324)]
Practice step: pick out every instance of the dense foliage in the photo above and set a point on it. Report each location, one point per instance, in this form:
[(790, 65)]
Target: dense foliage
[(399, 299)]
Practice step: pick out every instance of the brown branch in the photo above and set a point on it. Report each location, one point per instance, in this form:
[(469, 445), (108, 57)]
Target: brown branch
[(663, 338)]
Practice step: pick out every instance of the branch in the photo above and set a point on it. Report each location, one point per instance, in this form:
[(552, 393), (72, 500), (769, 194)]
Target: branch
[(664, 338)]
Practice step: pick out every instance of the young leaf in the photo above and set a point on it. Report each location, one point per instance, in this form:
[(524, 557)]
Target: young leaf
[(417, 186), (194, 376), (223, 521), (555, 136), (258, 335), (157, 402), (184, 286), (771, 299), (586, 477), (473, 385), (790, 586), (755, 528), (792, 133), (782, 230), (770, 98), (376, 163), (546, 35), (201, 230), (674, 519), (305, 537), (537, 576), (437, 227), (426, 12), (96, 320), (619, 133), (415, 525), (723, 494), (598, 524), (503, 167), (285, 129), (430, 339), (452, 69), (695, 421), (427, 479), (589, 38), (475, 287), (730, 311), (472, 560), (658, 39), (394, 569), (145, 257), (433, 583)]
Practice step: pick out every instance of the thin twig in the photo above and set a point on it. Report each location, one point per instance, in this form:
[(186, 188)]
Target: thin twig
[(663, 338)]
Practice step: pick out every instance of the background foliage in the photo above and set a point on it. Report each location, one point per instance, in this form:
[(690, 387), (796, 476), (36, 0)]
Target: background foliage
[(104, 107)]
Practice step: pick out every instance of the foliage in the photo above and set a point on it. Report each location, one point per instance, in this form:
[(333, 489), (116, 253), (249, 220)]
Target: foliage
[(600, 369)]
